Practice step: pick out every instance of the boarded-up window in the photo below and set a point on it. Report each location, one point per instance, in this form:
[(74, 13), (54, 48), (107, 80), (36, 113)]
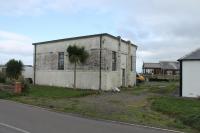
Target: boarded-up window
[(61, 61), (114, 61)]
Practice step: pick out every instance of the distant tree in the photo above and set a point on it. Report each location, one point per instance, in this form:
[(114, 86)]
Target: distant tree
[(77, 55), (14, 68)]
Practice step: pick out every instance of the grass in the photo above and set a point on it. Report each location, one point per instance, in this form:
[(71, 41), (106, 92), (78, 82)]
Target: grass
[(52, 97), (164, 88), (185, 110), (46, 93), (5, 95), (57, 92), (149, 104)]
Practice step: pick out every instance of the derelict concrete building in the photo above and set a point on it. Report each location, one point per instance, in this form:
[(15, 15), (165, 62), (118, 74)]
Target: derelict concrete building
[(111, 62)]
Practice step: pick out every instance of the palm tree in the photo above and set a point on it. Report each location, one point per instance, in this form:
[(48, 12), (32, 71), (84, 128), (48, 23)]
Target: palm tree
[(77, 55), (14, 68)]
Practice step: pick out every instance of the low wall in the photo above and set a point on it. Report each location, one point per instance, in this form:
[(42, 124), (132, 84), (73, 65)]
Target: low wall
[(9, 88)]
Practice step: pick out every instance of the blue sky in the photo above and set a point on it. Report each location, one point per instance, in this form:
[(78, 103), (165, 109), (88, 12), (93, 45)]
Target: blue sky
[(163, 30)]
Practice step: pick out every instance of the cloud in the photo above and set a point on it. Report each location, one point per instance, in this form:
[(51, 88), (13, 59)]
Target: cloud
[(74, 5), (14, 45), (40, 7), (13, 36), (163, 30), (21, 7)]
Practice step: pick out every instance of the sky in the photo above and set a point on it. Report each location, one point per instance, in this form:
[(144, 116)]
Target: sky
[(162, 30)]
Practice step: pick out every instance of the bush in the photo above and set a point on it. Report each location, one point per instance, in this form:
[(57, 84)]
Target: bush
[(25, 84), (2, 77), (26, 87)]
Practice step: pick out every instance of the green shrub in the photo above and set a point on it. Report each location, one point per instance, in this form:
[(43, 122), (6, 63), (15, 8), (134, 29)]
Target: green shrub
[(25, 85)]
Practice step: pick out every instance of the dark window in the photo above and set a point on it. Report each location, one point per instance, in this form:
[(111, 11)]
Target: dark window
[(61, 61), (114, 61)]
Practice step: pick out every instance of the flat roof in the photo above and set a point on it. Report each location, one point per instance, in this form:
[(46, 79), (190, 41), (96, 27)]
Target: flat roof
[(82, 37)]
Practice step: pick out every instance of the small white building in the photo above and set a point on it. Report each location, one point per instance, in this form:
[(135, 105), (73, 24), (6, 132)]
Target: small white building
[(2, 68), (111, 62), (190, 74), (28, 72)]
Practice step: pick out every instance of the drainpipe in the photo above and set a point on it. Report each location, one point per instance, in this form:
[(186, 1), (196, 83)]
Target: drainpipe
[(34, 68), (119, 59), (100, 62), (128, 64), (119, 52)]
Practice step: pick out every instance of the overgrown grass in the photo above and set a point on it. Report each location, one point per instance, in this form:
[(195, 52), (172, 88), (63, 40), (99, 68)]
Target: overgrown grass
[(164, 88), (38, 94), (185, 110), (5, 95), (57, 92)]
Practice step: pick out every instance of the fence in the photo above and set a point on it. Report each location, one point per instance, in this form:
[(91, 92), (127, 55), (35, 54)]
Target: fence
[(162, 77)]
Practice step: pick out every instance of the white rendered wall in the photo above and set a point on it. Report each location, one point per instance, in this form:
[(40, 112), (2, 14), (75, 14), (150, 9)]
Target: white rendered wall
[(61, 46), (63, 78), (190, 79), (114, 78), (86, 79)]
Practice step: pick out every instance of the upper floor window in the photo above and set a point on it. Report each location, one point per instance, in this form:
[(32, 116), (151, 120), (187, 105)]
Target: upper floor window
[(114, 61), (131, 63), (61, 61)]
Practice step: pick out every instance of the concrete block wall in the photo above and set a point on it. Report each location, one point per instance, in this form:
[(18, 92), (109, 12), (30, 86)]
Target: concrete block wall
[(47, 72), (124, 53), (85, 80)]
